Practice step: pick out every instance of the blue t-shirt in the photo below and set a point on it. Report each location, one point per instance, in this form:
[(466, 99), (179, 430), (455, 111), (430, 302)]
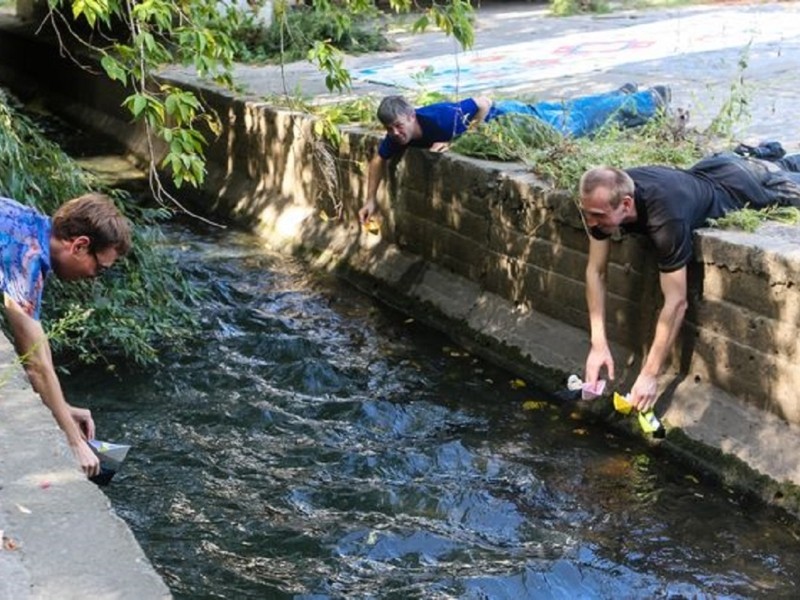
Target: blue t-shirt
[(24, 254), (440, 122)]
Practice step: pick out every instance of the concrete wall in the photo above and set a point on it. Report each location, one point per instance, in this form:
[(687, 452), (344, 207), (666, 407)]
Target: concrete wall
[(68, 542), (495, 258)]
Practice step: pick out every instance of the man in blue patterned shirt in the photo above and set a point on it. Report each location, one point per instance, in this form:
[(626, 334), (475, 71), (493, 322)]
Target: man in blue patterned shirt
[(83, 239)]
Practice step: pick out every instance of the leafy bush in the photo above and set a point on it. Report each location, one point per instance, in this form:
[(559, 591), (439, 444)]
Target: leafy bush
[(748, 219), (138, 306), (565, 8)]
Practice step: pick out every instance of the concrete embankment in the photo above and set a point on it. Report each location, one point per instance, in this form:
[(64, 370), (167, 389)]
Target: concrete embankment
[(495, 258), (61, 537)]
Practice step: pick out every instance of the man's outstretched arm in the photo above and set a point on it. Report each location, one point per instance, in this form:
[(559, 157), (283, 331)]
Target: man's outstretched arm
[(374, 177), (32, 346), (599, 353), (674, 287), (484, 106)]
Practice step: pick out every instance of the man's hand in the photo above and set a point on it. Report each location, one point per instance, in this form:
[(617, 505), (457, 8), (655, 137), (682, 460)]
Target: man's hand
[(440, 147), (598, 358), (87, 459), (83, 418), (673, 286), (366, 211), (644, 392)]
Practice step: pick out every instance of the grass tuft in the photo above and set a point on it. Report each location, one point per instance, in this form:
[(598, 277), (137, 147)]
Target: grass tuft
[(749, 219)]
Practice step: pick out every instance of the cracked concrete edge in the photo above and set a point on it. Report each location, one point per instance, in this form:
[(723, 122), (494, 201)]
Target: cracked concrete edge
[(773, 249), (69, 543)]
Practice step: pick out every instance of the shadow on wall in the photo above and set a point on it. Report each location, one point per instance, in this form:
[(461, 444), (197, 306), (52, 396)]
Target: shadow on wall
[(491, 223)]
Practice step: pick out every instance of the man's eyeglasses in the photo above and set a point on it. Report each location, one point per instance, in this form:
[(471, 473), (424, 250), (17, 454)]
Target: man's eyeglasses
[(99, 268)]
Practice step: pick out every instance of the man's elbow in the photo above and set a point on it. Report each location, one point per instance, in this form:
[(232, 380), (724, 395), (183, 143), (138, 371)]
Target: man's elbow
[(483, 107), (683, 305), (35, 369), (36, 376)]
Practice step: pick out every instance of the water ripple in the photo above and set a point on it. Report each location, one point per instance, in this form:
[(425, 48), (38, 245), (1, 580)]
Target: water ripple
[(312, 446)]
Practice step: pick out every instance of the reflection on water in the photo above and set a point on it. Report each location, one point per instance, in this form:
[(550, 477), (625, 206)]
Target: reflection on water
[(313, 445)]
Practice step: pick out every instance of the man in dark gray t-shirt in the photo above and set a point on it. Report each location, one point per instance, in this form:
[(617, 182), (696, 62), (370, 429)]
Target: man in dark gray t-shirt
[(667, 205)]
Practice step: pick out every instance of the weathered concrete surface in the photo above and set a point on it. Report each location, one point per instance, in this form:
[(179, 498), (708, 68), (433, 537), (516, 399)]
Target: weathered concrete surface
[(69, 543)]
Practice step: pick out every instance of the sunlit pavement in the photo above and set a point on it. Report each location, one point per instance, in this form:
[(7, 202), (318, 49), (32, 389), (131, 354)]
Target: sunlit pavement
[(521, 51)]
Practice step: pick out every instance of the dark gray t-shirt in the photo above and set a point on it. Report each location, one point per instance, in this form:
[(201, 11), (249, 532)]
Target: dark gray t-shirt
[(670, 204)]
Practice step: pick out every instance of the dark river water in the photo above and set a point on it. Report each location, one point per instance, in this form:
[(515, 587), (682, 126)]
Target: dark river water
[(313, 444)]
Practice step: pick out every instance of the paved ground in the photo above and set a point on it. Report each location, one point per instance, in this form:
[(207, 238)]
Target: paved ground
[(521, 50)]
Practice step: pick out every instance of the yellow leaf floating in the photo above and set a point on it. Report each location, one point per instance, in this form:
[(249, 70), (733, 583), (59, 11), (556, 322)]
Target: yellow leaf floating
[(324, 216), (517, 384), (580, 431), (534, 405)]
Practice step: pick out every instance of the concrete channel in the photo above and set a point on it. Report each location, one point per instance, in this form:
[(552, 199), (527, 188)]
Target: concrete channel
[(483, 251)]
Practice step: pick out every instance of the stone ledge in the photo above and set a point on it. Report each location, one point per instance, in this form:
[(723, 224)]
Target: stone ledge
[(70, 542)]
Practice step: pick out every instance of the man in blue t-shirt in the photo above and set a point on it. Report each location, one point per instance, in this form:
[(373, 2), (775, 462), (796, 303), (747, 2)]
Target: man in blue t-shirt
[(667, 205), (83, 239), (435, 125)]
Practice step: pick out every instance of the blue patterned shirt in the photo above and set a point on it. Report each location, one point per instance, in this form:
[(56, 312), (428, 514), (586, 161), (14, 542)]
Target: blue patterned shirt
[(24, 254)]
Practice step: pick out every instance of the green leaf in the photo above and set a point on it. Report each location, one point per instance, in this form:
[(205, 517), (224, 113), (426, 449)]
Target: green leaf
[(136, 103), (114, 69), (421, 24), (171, 104)]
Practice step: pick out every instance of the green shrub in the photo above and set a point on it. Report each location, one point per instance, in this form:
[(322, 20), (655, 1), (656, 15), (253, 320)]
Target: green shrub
[(748, 219), (292, 34), (563, 160), (565, 8), (141, 304)]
